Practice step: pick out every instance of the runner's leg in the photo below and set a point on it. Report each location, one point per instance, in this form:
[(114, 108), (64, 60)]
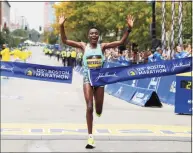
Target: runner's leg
[(99, 98), (88, 94)]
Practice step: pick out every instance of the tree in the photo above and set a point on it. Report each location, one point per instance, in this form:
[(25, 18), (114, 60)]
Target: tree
[(20, 33), (2, 38), (110, 17), (52, 38)]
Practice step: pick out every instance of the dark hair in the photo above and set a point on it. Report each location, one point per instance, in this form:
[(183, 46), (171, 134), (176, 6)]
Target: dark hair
[(122, 47), (93, 27), (120, 52)]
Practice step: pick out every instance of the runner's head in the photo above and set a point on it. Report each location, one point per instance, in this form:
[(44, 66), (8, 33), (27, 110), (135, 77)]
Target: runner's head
[(93, 35), (3, 46)]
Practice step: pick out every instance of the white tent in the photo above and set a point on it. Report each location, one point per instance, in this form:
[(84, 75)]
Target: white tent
[(29, 42)]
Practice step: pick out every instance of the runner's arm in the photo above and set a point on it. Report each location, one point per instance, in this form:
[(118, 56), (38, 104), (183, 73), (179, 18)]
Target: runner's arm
[(116, 43), (130, 21), (69, 42)]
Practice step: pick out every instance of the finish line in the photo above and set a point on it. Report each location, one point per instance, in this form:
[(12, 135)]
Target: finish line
[(99, 130)]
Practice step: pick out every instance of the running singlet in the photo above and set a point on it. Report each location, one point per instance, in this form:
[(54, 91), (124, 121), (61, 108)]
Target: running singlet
[(93, 58)]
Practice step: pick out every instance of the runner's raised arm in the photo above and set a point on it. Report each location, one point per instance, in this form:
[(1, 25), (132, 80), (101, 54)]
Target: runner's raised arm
[(130, 21), (72, 43)]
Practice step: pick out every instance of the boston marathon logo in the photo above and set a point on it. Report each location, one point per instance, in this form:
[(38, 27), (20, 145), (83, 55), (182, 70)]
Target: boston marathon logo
[(132, 72), (154, 69), (45, 73), (29, 72)]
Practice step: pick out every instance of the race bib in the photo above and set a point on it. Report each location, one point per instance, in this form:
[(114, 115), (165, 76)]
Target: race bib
[(94, 61)]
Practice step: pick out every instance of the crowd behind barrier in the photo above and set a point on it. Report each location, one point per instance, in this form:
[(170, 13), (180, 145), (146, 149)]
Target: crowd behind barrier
[(140, 91)]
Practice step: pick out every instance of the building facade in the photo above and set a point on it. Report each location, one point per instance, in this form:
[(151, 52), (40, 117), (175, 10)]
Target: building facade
[(4, 14), (18, 21), (22, 22), (49, 15), (0, 14)]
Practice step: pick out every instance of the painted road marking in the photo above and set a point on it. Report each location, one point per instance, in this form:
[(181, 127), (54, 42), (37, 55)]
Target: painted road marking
[(99, 129)]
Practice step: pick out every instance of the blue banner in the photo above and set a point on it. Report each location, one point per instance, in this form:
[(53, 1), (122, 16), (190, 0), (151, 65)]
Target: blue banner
[(105, 76), (37, 72)]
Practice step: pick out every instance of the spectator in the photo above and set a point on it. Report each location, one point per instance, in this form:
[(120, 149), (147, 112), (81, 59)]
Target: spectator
[(180, 53), (187, 49), (157, 56), (122, 59), (150, 56)]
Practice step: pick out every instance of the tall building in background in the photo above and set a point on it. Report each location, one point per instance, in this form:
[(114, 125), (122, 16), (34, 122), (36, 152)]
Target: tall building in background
[(18, 21), (14, 20), (4, 14), (22, 22), (49, 15)]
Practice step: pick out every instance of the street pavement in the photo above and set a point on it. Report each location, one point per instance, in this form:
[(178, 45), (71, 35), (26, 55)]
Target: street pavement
[(38, 116)]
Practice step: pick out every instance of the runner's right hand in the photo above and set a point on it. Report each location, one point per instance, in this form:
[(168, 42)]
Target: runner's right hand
[(62, 19)]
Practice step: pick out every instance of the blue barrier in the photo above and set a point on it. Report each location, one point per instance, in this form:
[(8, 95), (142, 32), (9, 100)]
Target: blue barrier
[(145, 97), (163, 86), (111, 89), (125, 92), (142, 91), (167, 89)]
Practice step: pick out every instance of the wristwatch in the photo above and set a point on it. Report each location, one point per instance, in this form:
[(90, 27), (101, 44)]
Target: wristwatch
[(128, 30)]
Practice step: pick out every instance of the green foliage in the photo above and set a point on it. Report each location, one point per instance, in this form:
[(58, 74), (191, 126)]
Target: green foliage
[(52, 38), (20, 33), (110, 17), (14, 42), (187, 20), (13, 39), (4, 36)]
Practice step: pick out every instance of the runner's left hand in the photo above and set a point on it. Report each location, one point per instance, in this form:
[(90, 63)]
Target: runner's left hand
[(130, 21)]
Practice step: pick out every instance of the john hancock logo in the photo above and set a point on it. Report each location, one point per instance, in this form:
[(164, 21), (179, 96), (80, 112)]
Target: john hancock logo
[(132, 72), (30, 72)]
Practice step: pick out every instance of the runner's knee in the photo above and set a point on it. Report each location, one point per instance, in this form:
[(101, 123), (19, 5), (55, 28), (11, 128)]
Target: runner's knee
[(99, 110), (89, 108)]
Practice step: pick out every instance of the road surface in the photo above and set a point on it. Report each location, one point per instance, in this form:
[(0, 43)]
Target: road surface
[(39, 116)]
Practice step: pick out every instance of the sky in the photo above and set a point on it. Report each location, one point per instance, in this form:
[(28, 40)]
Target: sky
[(33, 11)]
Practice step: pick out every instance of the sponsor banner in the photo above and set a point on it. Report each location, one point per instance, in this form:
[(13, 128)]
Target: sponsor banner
[(37, 72), (100, 77)]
